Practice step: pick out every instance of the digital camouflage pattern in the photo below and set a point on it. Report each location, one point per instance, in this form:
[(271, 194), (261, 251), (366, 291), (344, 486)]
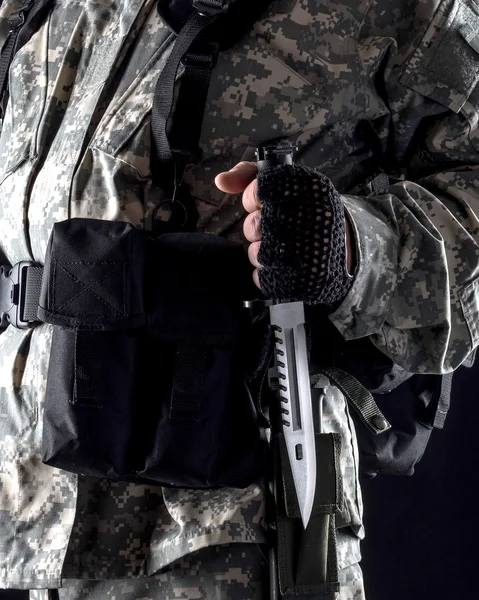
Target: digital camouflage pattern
[(364, 87), (229, 571)]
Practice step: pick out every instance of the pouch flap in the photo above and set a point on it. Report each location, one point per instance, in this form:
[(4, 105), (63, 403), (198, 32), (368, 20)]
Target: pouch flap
[(93, 276)]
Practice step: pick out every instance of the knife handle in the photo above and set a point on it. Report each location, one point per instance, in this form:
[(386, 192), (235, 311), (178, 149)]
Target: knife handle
[(274, 155)]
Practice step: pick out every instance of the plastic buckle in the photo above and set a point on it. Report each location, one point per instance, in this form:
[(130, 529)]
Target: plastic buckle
[(211, 8), (13, 284), (204, 58)]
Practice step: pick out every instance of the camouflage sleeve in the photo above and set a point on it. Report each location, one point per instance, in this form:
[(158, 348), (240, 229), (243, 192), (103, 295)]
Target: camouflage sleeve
[(416, 291)]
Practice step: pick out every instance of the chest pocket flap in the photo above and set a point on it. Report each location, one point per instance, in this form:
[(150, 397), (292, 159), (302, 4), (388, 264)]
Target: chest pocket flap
[(445, 66)]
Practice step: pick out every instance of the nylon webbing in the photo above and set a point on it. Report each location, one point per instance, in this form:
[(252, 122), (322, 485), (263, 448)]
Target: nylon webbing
[(88, 381), (180, 148), (187, 389), (360, 399), (444, 401), (164, 89), (185, 134), (32, 293)]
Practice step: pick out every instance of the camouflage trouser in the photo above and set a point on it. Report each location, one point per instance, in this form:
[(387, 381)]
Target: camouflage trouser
[(227, 572)]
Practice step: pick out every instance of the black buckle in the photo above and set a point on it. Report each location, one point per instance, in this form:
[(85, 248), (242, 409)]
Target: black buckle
[(13, 284), (211, 8), (202, 56)]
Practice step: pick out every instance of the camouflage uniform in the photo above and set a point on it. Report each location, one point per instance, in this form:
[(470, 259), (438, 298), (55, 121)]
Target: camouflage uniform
[(367, 87)]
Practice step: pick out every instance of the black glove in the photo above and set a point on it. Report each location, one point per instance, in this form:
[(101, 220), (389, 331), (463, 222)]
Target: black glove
[(303, 245)]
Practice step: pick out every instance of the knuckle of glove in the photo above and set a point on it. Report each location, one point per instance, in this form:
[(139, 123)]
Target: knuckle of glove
[(303, 246)]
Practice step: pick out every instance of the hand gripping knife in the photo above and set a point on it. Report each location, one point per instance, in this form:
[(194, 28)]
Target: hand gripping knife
[(291, 370)]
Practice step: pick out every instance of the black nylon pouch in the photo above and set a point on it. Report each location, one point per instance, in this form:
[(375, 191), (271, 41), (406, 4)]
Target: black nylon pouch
[(153, 357), (92, 292), (88, 411), (202, 353)]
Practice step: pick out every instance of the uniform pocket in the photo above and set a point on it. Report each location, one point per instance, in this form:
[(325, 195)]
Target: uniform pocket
[(131, 106), (265, 100), (445, 66)]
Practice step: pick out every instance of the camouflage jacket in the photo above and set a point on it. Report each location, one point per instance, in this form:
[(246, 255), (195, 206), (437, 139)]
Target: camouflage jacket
[(365, 87)]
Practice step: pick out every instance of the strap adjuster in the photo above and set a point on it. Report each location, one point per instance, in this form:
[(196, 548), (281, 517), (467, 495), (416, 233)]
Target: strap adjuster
[(13, 288), (201, 56), (211, 8)]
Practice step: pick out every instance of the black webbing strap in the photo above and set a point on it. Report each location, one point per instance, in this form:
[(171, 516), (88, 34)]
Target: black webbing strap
[(359, 398), (179, 147), (23, 23), (198, 62), (163, 99), (32, 293), (444, 401), (88, 381), (187, 389)]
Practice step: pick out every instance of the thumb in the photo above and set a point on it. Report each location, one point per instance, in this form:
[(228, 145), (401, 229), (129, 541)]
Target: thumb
[(236, 180)]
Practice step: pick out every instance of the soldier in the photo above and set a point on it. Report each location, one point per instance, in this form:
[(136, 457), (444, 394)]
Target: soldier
[(382, 99)]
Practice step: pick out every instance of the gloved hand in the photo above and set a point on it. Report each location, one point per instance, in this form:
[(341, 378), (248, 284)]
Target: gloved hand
[(298, 231)]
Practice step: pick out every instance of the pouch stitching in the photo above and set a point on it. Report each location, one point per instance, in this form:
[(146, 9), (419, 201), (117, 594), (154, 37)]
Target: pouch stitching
[(56, 264)]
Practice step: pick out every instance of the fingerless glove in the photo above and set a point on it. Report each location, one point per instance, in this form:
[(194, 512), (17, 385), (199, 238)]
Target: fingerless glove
[(303, 245)]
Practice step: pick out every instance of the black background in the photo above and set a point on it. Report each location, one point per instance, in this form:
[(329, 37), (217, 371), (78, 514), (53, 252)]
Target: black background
[(422, 532)]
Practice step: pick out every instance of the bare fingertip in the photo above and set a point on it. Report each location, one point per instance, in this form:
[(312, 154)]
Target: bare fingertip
[(256, 278)]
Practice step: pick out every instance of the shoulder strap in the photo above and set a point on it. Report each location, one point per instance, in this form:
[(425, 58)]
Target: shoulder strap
[(213, 25), (163, 100), (171, 156)]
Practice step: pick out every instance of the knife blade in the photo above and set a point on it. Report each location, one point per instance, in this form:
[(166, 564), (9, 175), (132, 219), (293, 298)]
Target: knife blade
[(288, 321)]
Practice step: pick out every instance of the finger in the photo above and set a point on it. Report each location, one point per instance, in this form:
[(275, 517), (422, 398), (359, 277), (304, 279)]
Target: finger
[(253, 253), (236, 180), (251, 226), (251, 201), (256, 278)]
